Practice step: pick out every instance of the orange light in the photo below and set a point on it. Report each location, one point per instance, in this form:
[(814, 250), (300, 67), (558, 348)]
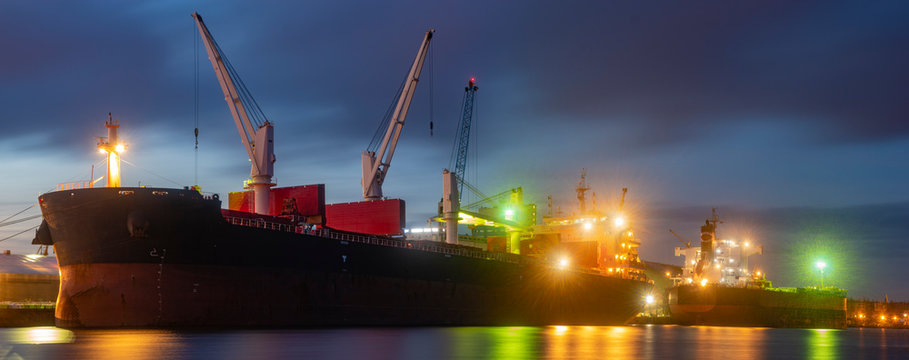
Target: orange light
[(667, 274), (100, 150)]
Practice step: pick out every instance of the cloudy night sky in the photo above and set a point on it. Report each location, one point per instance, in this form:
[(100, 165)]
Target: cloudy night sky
[(792, 119)]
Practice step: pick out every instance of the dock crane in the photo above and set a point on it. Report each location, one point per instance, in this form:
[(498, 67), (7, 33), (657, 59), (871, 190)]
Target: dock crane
[(460, 167), (256, 132), (375, 167)]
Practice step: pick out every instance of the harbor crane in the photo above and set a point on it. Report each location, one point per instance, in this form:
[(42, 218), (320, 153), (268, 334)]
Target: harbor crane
[(256, 132), (460, 167), (375, 166)]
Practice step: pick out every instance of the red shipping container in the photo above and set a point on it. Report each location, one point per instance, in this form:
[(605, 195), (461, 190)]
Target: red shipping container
[(310, 200), (380, 217)]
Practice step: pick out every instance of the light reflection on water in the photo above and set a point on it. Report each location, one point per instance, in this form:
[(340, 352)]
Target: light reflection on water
[(555, 342)]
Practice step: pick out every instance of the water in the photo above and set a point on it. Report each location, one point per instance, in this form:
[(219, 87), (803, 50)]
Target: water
[(556, 342)]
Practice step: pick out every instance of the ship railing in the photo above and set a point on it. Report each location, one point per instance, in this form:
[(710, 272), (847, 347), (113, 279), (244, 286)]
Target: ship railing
[(375, 240), (75, 185), (423, 246), (260, 223)]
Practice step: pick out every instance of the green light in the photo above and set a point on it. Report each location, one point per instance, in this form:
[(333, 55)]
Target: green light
[(822, 241), (509, 214)]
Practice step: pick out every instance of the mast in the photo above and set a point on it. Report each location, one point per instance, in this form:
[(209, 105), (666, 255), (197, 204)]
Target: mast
[(582, 189), (112, 146)]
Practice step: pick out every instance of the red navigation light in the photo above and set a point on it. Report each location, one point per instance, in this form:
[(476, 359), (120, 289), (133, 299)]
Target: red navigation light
[(473, 79)]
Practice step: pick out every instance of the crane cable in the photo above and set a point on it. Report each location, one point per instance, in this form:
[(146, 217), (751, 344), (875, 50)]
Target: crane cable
[(431, 87), (196, 107)]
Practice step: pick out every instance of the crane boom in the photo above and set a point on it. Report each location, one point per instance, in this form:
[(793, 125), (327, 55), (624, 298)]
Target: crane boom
[(687, 243), (622, 201), (376, 167), (464, 133), (257, 140)]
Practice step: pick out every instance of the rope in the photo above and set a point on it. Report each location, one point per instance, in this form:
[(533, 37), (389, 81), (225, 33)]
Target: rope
[(20, 233), (2, 224), (14, 215)]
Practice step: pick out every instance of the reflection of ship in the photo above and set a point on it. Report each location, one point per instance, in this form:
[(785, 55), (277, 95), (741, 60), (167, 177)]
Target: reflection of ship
[(717, 288)]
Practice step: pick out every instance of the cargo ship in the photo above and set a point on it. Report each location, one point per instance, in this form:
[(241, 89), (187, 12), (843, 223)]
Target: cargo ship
[(156, 257), (716, 287), (165, 257), (162, 257)]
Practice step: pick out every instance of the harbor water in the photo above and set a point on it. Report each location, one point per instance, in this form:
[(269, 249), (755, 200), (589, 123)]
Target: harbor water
[(555, 342)]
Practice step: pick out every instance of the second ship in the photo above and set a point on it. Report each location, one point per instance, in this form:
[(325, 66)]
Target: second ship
[(716, 287)]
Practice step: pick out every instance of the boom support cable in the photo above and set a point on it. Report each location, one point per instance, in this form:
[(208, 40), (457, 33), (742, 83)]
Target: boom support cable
[(431, 87), (383, 125)]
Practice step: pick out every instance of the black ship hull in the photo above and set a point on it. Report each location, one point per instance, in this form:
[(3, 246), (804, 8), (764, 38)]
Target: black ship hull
[(731, 306), (142, 257)]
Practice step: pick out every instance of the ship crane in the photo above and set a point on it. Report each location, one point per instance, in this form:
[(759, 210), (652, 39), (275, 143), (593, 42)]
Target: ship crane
[(687, 243), (375, 166), (256, 132)]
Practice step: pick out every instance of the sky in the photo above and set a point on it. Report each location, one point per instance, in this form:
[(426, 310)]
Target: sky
[(789, 118)]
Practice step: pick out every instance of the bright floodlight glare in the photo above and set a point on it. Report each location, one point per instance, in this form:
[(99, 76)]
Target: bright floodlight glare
[(649, 299), (509, 214), (563, 263), (588, 226), (820, 265), (619, 221), (120, 148)]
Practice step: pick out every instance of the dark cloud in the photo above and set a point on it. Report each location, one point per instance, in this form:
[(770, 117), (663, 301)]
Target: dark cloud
[(685, 102)]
